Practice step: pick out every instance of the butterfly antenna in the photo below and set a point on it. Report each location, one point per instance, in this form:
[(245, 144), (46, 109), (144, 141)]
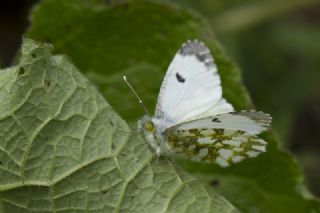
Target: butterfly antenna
[(134, 92), (134, 132)]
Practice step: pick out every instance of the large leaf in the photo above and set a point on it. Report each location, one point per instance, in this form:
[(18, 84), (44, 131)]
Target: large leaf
[(139, 39), (62, 148)]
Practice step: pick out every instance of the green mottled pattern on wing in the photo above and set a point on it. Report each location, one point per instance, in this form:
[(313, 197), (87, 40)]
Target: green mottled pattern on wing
[(222, 146)]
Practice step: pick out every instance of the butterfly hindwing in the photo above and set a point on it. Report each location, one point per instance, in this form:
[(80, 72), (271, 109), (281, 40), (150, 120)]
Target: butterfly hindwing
[(191, 85), (221, 146), (224, 139)]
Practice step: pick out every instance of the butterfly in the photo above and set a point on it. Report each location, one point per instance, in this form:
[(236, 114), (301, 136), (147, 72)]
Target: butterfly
[(192, 118)]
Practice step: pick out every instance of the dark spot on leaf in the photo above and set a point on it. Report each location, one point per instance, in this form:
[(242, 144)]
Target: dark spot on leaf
[(21, 71), (214, 183), (33, 55), (113, 146), (104, 191), (111, 123), (180, 78), (1, 163), (47, 83), (216, 120)]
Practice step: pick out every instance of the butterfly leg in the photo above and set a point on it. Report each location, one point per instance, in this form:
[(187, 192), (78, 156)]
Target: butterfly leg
[(158, 152)]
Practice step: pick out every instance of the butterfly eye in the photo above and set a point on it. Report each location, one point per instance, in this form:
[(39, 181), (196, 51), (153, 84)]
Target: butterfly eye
[(149, 126)]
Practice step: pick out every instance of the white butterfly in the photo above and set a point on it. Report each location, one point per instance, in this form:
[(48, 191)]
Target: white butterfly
[(193, 119)]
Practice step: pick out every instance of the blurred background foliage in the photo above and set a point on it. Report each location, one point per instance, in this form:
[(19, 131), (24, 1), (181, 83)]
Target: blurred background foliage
[(276, 45)]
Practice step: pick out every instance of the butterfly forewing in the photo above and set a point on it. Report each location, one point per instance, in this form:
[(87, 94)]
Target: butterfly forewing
[(191, 85)]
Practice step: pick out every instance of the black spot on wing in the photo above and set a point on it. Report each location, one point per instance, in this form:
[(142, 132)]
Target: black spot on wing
[(180, 78), (216, 120)]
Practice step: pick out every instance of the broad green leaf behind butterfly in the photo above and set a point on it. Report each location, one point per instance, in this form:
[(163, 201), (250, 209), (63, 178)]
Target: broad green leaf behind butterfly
[(62, 148)]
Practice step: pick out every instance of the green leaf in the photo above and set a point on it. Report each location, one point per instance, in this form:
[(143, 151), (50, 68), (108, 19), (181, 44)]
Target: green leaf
[(139, 39), (62, 148)]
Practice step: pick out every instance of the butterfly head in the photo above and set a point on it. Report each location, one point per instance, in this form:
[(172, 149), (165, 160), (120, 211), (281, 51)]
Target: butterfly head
[(146, 125), (149, 129)]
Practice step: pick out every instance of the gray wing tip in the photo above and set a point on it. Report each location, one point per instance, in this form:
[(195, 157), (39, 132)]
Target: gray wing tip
[(263, 118), (194, 41), (258, 113), (199, 50), (191, 47)]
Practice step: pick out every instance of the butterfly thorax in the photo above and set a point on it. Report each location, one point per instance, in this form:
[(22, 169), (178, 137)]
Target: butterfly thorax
[(153, 132)]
